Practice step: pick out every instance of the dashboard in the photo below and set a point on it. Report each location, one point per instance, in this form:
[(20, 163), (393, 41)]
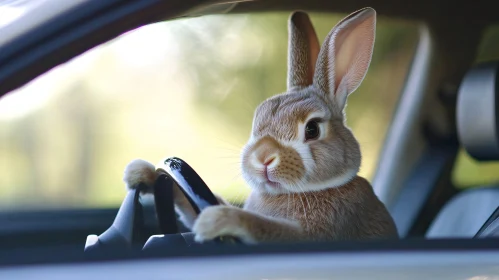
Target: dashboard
[(465, 264)]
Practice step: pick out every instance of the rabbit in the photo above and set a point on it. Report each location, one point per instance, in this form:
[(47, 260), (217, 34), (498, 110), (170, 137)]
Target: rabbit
[(301, 160)]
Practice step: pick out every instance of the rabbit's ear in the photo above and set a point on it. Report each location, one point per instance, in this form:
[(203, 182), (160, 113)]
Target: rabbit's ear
[(302, 51), (345, 56)]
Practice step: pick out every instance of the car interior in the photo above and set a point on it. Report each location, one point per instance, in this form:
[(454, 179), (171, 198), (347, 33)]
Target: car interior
[(466, 212), (446, 109)]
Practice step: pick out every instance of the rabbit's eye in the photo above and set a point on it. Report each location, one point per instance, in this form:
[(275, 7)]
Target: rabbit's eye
[(312, 130)]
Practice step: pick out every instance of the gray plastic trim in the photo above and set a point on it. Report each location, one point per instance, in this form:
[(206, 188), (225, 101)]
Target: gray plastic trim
[(476, 265)]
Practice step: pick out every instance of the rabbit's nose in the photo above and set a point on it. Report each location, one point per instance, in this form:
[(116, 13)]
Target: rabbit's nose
[(266, 152), (266, 157), (269, 160)]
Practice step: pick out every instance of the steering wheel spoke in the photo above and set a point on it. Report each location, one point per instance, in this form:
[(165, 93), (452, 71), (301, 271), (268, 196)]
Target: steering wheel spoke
[(194, 188)]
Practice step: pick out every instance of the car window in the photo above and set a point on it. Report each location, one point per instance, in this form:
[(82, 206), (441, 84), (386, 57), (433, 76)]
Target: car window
[(184, 88), (467, 171)]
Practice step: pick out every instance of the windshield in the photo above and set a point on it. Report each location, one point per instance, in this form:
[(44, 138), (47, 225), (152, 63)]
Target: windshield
[(185, 88)]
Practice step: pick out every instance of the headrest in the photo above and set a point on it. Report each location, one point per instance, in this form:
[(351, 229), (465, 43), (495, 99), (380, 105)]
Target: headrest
[(477, 112)]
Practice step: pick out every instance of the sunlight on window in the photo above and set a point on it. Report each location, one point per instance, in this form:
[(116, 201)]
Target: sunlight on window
[(185, 88), (41, 91), (9, 14)]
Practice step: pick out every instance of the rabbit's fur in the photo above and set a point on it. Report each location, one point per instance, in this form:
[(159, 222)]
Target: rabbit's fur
[(303, 189)]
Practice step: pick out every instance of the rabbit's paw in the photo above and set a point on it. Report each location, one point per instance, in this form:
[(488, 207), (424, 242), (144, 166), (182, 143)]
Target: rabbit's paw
[(139, 171), (217, 221)]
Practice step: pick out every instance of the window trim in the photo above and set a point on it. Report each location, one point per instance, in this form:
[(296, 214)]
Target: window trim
[(405, 123)]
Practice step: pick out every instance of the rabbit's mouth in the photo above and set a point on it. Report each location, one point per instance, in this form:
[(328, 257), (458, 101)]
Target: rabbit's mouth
[(268, 180), (273, 187), (273, 184)]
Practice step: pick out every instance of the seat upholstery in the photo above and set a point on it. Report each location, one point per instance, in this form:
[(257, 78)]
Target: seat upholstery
[(465, 213), (477, 124), (477, 112)]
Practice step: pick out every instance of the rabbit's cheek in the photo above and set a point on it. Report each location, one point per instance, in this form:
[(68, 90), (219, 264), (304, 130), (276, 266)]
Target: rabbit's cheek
[(290, 169), (299, 155)]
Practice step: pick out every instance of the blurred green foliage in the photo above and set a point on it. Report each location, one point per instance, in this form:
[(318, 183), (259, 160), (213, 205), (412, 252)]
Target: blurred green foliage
[(184, 88)]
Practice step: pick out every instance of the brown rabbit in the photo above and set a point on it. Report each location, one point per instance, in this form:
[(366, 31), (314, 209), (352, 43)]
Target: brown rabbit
[(301, 160)]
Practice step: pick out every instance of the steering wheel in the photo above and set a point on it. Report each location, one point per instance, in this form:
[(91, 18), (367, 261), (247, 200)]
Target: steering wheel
[(128, 229)]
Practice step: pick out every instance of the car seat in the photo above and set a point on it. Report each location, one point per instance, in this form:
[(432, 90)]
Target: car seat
[(478, 127)]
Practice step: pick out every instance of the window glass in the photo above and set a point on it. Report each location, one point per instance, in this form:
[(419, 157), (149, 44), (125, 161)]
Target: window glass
[(467, 171), (184, 88)]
